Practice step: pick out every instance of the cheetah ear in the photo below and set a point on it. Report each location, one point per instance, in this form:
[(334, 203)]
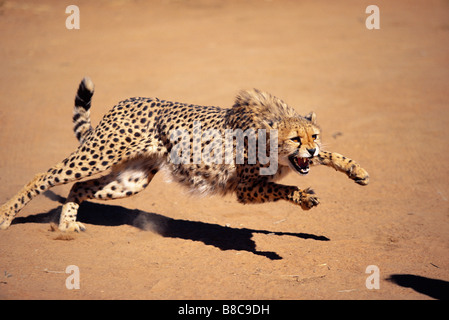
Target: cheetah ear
[(311, 117)]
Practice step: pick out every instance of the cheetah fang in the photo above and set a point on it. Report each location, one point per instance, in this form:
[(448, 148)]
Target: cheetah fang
[(301, 165), (244, 150)]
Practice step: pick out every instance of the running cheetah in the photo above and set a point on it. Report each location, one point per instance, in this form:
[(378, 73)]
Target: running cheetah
[(135, 140)]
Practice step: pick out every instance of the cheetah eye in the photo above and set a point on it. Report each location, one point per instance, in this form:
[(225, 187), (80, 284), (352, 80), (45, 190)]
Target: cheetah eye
[(296, 139), (314, 136)]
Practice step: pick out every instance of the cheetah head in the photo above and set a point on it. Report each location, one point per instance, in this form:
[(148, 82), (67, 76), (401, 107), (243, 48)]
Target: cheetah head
[(299, 142)]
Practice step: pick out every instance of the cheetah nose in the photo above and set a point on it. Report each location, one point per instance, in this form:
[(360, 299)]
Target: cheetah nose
[(311, 152)]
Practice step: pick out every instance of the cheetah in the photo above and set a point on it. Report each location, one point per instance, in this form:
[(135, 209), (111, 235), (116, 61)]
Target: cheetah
[(133, 142)]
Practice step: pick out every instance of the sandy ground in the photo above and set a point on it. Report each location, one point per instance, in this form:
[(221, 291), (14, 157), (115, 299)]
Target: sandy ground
[(381, 97)]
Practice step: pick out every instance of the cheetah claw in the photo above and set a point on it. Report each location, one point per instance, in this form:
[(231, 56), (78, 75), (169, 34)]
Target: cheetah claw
[(310, 202), (72, 226), (308, 199)]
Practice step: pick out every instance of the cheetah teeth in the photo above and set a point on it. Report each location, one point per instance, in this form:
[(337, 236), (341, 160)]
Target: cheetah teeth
[(301, 165)]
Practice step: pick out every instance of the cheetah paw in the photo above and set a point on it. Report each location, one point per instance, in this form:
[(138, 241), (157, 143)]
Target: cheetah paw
[(5, 221), (307, 199), (72, 226), (359, 175)]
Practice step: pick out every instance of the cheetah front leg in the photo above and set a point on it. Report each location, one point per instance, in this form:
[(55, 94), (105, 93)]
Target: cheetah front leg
[(264, 191), (343, 164)]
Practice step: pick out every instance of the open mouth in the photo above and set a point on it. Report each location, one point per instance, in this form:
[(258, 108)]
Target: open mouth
[(299, 164)]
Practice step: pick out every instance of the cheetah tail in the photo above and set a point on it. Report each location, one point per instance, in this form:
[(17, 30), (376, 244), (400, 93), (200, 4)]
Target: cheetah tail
[(81, 113)]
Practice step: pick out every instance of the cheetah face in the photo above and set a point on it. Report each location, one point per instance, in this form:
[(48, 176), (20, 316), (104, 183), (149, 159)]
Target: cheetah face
[(298, 145)]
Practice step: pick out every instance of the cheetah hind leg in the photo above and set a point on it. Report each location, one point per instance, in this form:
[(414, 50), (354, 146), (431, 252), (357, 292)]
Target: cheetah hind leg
[(120, 183), (39, 184)]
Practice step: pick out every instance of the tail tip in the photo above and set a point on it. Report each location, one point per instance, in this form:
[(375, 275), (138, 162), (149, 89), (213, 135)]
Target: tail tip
[(88, 83), (84, 94)]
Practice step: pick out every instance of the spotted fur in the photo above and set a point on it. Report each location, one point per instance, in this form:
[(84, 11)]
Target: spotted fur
[(132, 143)]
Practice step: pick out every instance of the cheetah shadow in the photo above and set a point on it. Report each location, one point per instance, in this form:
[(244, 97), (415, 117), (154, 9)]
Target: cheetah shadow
[(224, 238)]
